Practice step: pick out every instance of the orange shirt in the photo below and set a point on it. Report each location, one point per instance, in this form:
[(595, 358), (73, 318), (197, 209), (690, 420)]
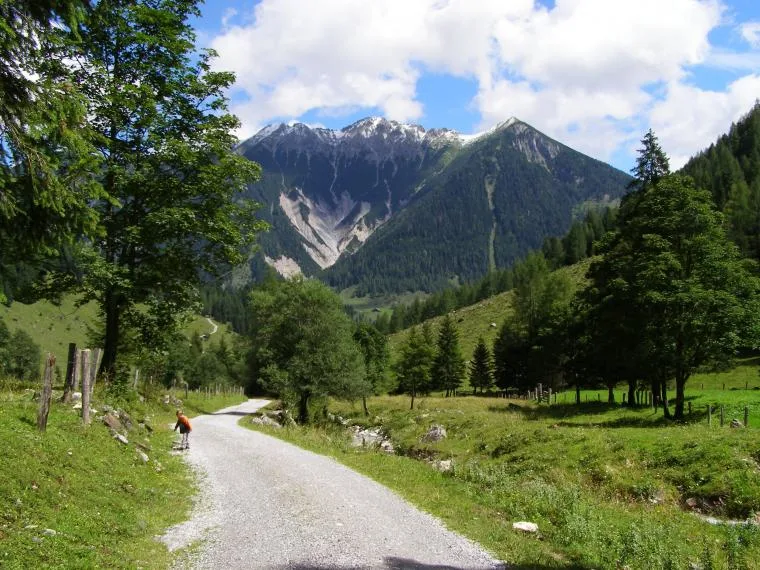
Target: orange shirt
[(182, 420)]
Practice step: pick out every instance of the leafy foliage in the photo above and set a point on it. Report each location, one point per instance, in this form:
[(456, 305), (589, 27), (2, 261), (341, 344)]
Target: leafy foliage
[(159, 120), (303, 347)]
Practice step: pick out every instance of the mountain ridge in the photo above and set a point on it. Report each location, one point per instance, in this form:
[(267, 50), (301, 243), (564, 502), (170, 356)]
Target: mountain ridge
[(328, 192)]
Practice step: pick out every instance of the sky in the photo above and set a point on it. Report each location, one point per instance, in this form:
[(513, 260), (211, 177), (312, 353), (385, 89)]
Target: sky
[(593, 74)]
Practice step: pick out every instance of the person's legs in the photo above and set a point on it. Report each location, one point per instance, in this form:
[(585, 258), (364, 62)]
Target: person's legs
[(186, 440)]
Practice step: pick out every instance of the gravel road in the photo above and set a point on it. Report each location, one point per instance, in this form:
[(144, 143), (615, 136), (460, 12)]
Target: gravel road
[(268, 504)]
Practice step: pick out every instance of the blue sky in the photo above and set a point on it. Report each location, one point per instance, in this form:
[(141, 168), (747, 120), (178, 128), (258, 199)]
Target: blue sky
[(594, 74)]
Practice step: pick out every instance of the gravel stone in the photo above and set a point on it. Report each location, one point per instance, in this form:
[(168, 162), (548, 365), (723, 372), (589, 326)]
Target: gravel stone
[(267, 504)]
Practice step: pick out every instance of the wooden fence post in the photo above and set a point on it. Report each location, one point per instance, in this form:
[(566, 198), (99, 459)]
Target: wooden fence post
[(689, 408), (137, 378), (97, 356), (85, 361), (47, 393), (721, 415), (68, 384), (77, 368), (709, 415), (746, 416)]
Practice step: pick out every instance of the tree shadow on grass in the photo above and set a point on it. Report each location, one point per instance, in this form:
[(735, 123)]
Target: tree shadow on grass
[(558, 411)]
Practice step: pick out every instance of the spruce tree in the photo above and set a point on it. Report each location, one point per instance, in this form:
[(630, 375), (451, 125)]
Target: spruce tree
[(448, 366), (481, 367)]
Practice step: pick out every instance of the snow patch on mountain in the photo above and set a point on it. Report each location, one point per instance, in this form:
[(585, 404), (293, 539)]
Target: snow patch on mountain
[(327, 229)]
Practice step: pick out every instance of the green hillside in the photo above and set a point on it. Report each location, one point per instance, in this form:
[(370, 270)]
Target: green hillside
[(477, 320), (53, 326)]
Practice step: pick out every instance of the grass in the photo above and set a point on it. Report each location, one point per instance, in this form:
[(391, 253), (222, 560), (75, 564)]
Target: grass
[(103, 503), (53, 327), (609, 487)]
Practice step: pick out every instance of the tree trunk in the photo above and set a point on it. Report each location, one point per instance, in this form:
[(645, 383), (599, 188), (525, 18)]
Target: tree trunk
[(364, 404), (577, 394), (303, 407), (112, 313), (680, 394), (631, 393), (656, 387), (611, 394), (411, 406), (664, 398)]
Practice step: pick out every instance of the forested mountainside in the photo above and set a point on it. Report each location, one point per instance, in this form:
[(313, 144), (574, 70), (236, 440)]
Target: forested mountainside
[(730, 169), (390, 207), (500, 197)]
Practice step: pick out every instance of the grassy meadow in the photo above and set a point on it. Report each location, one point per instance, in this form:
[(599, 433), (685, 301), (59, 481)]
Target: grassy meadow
[(608, 486), (74, 497)]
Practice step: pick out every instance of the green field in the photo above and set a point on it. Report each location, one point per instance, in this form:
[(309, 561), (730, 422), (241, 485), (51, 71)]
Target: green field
[(609, 487), (53, 327), (74, 497)]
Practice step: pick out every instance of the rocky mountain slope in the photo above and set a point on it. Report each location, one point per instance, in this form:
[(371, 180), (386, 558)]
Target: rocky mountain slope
[(450, 206)]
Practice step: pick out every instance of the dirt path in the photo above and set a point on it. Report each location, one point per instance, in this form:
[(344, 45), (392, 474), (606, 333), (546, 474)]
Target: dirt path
[(268, 504)]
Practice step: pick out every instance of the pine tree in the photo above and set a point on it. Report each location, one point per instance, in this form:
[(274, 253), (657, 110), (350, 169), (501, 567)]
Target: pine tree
[(448, 366), (413, 369), (481, 367), (651, 165)]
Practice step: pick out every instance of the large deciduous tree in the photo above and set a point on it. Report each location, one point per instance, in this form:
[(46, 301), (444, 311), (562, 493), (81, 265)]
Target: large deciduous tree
[(671, 287), (45, 161), (160, 123), (302, 345)]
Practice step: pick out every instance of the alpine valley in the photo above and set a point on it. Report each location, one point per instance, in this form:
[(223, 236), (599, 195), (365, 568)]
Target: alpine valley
[(387, 207)]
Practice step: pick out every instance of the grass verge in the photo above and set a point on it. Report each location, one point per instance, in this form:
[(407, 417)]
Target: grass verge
[(74, 497), (608, 487)]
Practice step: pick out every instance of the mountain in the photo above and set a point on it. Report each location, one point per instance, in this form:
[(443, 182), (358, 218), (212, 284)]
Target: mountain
[(390, 207), (730, 169)]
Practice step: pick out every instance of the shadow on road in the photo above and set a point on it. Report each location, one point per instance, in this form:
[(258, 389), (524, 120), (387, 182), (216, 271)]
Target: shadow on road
[(231, 413), (395, 563)]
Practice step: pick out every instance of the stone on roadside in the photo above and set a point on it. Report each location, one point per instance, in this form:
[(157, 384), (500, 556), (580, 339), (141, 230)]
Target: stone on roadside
[(121, 438), (112, 422), (49, 532), (265, 421), (443, 465), (143, 457), (76, 397), (736, 423), (525, 526)]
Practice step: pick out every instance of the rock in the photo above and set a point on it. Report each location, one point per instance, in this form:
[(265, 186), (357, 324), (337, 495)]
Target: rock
[(444, 465), (493, 325), (692, 503), (112, 422), (78, 406), (435, 433), (36, 539), (371, 437), (158, 467), (30, 527), (265, 421), (144, 446), (121, 438), (144, 458), (49, 532), (76, 397), (736, 423), (107, 409), (125, 419), (525, 526)]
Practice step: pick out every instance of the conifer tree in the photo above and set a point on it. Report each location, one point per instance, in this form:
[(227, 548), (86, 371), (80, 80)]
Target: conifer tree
[(481, 367), (448, 366)]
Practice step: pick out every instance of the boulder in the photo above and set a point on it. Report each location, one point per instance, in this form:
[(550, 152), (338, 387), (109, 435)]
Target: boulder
[(76, 397), (112, 422), (120, 438), (435, 433), (265, 421), (443, 465), (125, 419), (144, 458), (525, 526), (736, 423)]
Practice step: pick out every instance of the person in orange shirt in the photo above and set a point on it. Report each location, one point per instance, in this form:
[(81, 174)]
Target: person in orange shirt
[(184, 428)]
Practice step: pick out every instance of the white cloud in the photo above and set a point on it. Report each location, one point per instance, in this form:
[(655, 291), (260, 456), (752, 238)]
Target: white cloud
[(584, 71), (750, 31), (702, 115)]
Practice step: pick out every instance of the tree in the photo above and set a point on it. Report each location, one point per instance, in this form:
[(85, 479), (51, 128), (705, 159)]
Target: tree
[(448, 365), (481, 367), (374, 347), (413, 369), (160, 122), (302, 345), (652, 165), (529, 346), (45, 160), (671, 289), (19, 355)]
